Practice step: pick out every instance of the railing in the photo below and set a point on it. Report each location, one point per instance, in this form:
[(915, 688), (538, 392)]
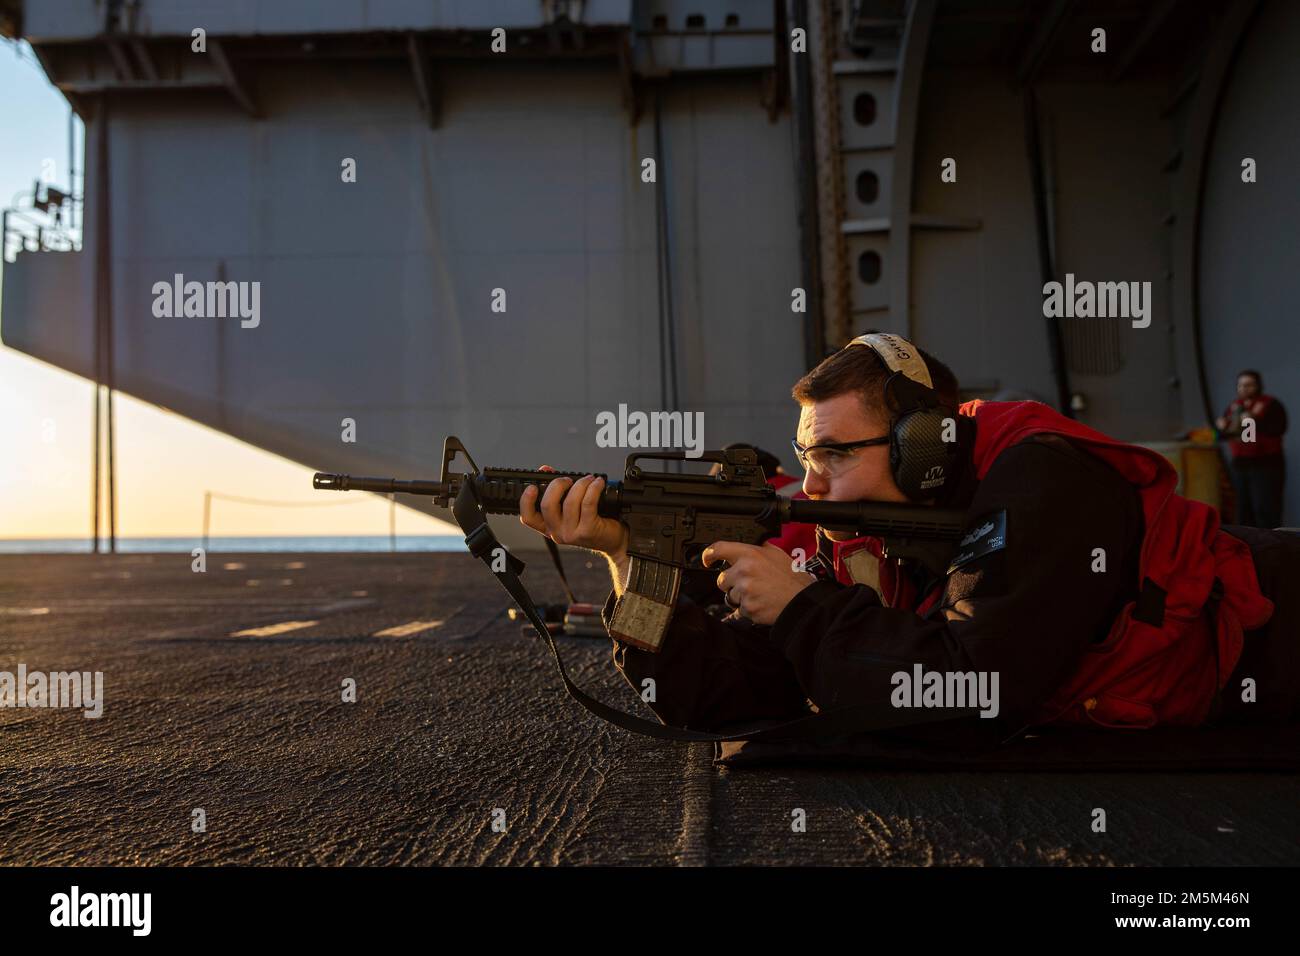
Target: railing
[(241, 499), (41, 224)]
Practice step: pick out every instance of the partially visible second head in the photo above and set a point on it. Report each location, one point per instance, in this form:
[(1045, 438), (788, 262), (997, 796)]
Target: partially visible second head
[(1249, 384)]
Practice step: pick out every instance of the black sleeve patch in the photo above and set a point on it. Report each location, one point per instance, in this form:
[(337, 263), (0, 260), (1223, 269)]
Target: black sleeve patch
[(986, 535)]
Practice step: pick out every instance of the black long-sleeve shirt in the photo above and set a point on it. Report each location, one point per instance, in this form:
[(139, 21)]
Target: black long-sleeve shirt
[(1027, 611)]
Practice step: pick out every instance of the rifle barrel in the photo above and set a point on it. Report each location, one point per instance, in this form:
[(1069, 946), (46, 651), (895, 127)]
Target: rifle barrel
[(500, 496), (325, 481)]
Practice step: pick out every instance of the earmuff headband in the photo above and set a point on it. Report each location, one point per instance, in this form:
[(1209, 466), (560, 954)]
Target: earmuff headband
[(897, 353)]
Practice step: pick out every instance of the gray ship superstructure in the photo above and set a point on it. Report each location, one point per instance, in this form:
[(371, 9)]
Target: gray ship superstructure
[(622, 205)]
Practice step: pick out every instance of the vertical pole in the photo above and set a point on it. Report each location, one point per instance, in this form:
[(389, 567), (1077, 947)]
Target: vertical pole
[(392, 522), (94, 458), (823, 50), (806, 172), (106, 279), (207, 517), (71, 189), (111, 490), (96, 486), (1046, 263)]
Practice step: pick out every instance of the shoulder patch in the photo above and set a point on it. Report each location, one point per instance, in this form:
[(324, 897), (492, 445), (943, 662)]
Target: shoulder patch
[(986, 535)]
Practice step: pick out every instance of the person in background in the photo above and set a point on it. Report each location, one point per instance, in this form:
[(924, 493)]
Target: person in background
[(1258, 466)]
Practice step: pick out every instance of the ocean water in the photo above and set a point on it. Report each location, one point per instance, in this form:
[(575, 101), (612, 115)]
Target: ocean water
[(233, 545)]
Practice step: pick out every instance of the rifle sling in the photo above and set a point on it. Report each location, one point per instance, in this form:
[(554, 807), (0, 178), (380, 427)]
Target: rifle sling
[(552, 547), (483, 544)]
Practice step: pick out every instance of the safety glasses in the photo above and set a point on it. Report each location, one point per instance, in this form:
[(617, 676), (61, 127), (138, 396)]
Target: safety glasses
[(833, 458)]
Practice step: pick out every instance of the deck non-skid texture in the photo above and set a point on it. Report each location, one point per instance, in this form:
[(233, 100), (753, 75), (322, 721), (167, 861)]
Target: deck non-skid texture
[(462, 747)]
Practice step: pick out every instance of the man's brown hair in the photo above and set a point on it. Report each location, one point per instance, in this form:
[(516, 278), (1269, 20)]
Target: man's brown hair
[(860, 369)]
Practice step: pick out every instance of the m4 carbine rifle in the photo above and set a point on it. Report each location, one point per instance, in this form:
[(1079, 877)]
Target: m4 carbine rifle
[(671, 518)]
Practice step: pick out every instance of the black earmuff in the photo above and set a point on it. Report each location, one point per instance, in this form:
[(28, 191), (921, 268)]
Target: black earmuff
[(923, 437), (921, 459)]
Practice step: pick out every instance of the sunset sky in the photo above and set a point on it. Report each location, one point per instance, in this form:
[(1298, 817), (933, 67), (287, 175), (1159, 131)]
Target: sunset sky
[(164, 462)]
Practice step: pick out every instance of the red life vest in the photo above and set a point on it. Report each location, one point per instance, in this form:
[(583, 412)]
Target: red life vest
[(1144, 673), (895, 588), (796, 535)]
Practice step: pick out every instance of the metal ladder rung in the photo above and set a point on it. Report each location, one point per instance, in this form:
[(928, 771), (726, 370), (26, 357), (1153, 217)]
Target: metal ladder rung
[(853, 67), (880, 148), (858, 227)]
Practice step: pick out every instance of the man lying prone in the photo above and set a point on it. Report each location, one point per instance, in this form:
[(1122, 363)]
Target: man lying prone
[(1084, 592)]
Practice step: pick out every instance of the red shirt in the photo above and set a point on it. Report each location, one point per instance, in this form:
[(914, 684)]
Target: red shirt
[(795, 534), (1270, 424)]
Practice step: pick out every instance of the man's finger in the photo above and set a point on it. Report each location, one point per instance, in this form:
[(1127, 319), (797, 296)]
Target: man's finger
[(777, 553), (528, 510), (590, 502), (573, 503), (551, 504), (728, 551)]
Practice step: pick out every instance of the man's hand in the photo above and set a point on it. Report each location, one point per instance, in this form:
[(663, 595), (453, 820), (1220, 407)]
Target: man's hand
[(761, 580), (567, 515)]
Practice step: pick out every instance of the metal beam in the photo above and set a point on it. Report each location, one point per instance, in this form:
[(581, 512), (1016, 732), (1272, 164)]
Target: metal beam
[(832, 255), (814, 344), (1044, 38), (439, 45), (230, 78), (84, 87), (628, 82), (1189, 193), (1186, 86), (1155, 19), (121, 62), (1038, 173), (104, 363), (145, 59), (907, 104), (426, 90)]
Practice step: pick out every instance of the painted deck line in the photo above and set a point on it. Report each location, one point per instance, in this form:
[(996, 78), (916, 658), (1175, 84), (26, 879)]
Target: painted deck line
[(408, 629), (270, 630)]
